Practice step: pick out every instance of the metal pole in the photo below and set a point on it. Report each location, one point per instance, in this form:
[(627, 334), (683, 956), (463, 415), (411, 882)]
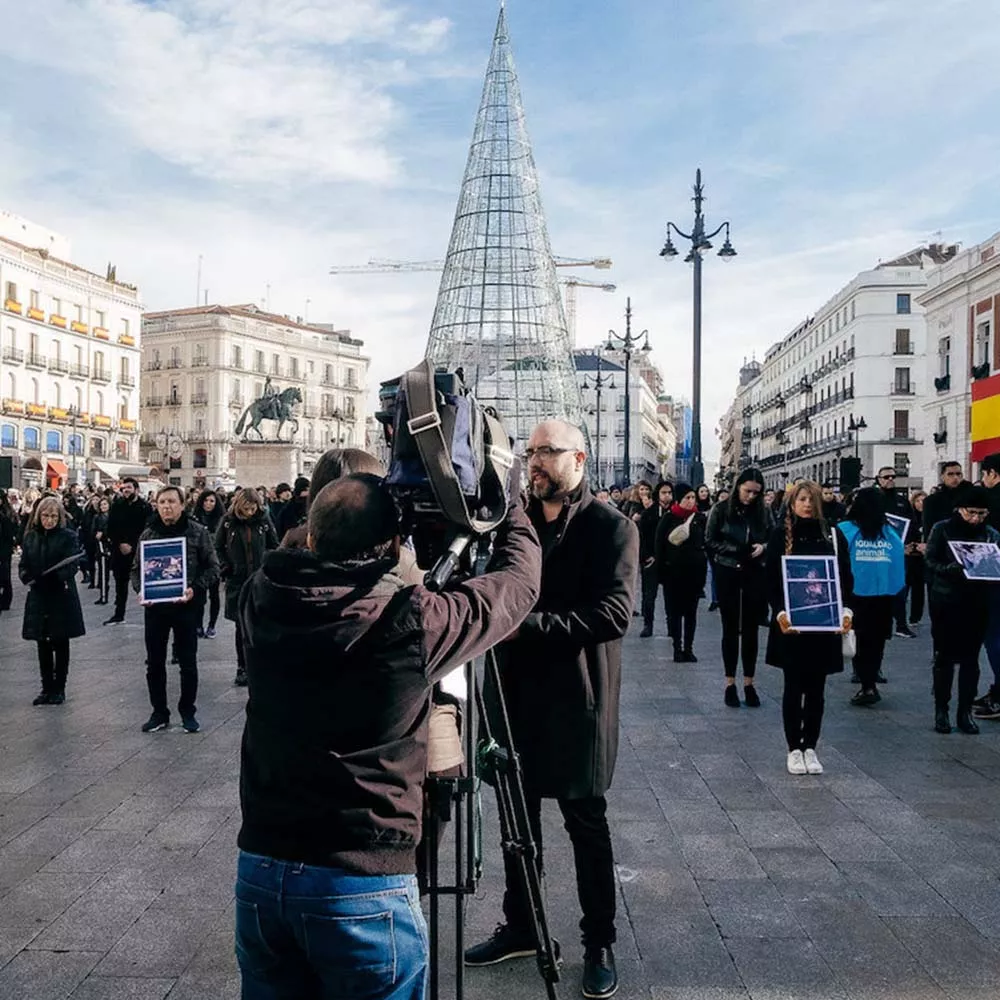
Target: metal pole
[(697, 468), (597, 450), (628, 414)]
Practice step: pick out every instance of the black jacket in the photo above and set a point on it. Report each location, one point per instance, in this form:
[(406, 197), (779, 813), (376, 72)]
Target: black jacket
[(682, 568), (834, 511), (948, 584), (939, 505), (202, 562), (648, 520), (731, 534), (896, 503), (994, 519), (341, 661), (292, 515), (126, 521), (241, 547), (562, 670), (52, 609), (9, 530), (806, 651)]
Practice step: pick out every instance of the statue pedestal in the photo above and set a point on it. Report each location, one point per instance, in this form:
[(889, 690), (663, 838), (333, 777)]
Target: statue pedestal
[(267, 463)]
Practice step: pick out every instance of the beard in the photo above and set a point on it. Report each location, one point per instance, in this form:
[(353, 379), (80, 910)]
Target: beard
[(548, 486)]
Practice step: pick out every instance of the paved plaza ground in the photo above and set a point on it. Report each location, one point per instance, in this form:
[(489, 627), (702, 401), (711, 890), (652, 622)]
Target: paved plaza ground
[(876, 881)]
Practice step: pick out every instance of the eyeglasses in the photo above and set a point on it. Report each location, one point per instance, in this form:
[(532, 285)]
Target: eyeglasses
[(544, 451), (979, 515), (889, 478)]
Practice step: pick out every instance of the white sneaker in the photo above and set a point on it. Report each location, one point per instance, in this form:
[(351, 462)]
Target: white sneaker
[(813, 766), (796, 762)]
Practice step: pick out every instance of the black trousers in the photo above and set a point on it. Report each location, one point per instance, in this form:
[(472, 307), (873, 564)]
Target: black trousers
[(182, 620), (103, 578), (898, 612), (587, 825), (684, 618), (872, 624), (210, 598), (650, 585), (916, 583), (6, 589), (741, 608), (53, 664), (241, 653), (802, 707), (121, 569), (958, 631)]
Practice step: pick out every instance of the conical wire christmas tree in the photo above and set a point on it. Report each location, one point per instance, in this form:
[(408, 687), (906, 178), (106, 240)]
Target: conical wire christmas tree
[(499, 314)]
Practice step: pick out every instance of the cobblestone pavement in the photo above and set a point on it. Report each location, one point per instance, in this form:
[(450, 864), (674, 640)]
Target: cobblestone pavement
[(876, 881)]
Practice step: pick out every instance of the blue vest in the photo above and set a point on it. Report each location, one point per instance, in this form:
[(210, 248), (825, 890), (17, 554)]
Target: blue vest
[(879, 566)]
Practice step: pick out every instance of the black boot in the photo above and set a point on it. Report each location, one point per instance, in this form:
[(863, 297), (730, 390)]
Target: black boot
[(942, 724), (678, 653), (965, 722)]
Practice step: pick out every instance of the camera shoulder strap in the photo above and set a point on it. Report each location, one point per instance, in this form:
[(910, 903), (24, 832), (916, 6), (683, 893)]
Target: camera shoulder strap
[(424, 425)]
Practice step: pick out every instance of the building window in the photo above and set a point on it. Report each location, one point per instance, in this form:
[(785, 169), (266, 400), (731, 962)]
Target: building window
[(983, 356), (100, 403), (901, 463), (8, 436), (56, 306), (75, 444), (258, 364), (903, 304), (902, 383), (121, 449), (903, 343), (852, 308), (53, 441), (97, 447), (125, 328), (327, 372), (35, 299), (100, 318), (901, 424), (174, 463), (12, 291), (352, 378), (200, 458), (78, 313), (293, 367), (237, 356), (31, 438), (275, 364), (944, 357)]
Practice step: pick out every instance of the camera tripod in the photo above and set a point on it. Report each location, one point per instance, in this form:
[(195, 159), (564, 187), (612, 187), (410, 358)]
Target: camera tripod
[(490, 755)]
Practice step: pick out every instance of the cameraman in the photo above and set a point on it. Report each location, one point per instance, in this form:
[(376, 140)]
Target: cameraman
[(341, 657), (562, 678)]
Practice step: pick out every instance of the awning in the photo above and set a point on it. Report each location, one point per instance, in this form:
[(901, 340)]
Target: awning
[(113, 470), (56, 469)]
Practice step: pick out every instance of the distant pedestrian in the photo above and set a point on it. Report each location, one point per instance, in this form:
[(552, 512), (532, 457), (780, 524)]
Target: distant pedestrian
[(8, 542), (126, 522), (736, 538), (208, 512), (805, 658), (916, 577), (102, 549), (654, 506), (296, 510), (50, 559)]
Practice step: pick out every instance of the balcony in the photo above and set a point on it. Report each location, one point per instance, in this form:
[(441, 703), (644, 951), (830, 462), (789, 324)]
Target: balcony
[(34, 360), (98, 420), (173, 401), (903, 389), (124, 424), (126, 340), (58, 366), (901, 349), (980, 371), (13, 306), (13, 355), (941, 437), (199, 362), (13, 406), (101, 375), (79, 371), (37, 410), (77, 327), (58, 414), (199, 398), (902, 434), (36, 314), (175, 363), (126, 381), (943, 384), (154, 366), (56, 320), (153, 401)]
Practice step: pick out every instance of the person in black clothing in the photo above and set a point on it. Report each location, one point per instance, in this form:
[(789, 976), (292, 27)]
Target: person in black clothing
[(334, 749), (704, 498), (833, 510), (916, 578), (896, 504), (805, 658), (682, 566), (960, 608), (736, 539), (50, 559), (126, 521), (208, 512), (940, 502), (244, 536), (102, 549), (179, 617), (658, 504), (9, 529), (296, 510)]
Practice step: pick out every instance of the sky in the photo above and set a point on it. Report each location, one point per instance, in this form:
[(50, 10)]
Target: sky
[(275, 138)]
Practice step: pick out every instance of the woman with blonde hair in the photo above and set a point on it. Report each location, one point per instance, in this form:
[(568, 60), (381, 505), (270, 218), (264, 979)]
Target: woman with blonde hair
[(805, 658), (50, 558)]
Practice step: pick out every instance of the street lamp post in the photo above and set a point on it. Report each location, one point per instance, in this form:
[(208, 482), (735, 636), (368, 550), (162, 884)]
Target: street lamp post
[(600, 383), (73, 414), (700, 242), (628, 345), (856, 427)]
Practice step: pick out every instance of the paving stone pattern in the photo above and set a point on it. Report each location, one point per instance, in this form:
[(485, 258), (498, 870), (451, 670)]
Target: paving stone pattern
[(876, 881)]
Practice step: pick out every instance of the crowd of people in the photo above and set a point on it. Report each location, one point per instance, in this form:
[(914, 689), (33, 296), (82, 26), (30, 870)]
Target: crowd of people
[(339, 737)]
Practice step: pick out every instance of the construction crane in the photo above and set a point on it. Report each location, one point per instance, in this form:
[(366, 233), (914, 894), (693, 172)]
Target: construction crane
[(380, 266)]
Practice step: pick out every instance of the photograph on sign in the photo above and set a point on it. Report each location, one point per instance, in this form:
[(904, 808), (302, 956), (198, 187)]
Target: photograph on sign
[(980, 560), (901, 525), (812, 593), (164, 570)]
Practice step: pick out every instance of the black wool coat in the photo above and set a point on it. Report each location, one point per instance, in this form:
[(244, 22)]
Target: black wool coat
[(52, 609), (682, 569), (806, 652), (241, 547), (561, 670)]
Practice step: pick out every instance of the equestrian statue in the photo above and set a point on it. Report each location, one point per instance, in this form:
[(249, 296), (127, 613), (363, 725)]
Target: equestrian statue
[(272, 405)]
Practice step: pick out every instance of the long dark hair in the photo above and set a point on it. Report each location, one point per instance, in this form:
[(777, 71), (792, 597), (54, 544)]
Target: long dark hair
[(756, 512), (868, 513)]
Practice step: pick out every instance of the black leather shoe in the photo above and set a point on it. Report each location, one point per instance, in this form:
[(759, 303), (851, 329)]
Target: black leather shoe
[(646, 633), (504, 943), (750, 696), (732, 696), (600, 978), (942, 724), (966, 723), (42, 698), (689, 656)]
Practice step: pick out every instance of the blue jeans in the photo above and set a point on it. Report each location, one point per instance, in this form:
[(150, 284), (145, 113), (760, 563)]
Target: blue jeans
[(310, 933)]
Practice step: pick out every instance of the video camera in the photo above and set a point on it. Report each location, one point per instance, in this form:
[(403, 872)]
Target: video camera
[(450, 466)]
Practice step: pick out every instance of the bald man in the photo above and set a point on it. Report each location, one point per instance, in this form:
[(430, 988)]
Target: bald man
[(562, 677)]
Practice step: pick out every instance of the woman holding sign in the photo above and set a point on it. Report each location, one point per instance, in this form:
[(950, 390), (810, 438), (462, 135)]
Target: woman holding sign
[(50, 559), (810, 585)]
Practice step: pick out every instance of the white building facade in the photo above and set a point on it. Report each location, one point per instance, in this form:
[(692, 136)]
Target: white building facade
[(203, 366), (962, 304), (69, 362), (861, 360)]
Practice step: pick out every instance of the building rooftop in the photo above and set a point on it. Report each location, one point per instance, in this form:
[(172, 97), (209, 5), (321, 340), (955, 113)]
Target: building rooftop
[(932, 254), (43, 254), (585, 361)]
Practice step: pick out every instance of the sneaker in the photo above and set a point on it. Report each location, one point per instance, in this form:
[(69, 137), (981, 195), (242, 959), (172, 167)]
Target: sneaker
[(600, 977), (210, 632), (813, 766), (155, 723), (503, 944), (190, 724), (796, 762), (241, 679), (42, 698), (904, 632), (732, 697), (114, 620), (750, 696), (991, 710), (983, 702)]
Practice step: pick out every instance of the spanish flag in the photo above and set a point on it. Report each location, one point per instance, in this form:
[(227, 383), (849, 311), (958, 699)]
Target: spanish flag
[(985, 417)]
